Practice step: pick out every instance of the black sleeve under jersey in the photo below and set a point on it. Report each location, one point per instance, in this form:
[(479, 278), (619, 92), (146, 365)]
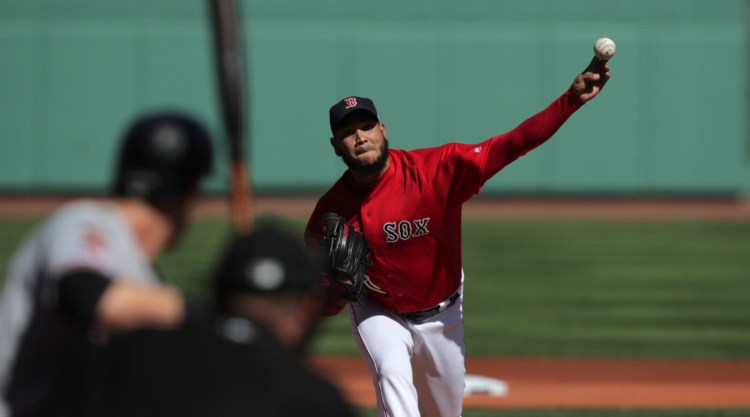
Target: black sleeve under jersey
[(79, 293)]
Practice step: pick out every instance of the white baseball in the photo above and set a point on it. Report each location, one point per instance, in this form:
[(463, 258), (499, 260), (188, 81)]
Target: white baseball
[(604, 48)]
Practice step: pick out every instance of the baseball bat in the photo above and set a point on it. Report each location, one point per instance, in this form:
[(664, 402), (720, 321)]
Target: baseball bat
[(230, 69)]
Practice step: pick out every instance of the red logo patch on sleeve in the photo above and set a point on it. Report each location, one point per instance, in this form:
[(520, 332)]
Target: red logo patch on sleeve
[(93, 246), (93, 240)]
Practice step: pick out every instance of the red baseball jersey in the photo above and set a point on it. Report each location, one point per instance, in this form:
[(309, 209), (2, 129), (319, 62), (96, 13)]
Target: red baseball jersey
[(412, 215)]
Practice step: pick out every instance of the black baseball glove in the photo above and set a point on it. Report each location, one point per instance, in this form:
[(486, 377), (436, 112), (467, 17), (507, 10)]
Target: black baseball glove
[(348, 256)]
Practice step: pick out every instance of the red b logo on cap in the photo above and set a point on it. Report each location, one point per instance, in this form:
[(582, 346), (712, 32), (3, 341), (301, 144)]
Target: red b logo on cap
[(350, 102)]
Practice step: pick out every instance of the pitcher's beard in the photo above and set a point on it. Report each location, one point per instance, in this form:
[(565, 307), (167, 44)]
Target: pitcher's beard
[(367, 169)]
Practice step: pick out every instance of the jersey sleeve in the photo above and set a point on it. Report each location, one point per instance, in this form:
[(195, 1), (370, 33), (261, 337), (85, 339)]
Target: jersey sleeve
[(454, 169), (506, 148), (80, 246), (462, 169), (79, 294)]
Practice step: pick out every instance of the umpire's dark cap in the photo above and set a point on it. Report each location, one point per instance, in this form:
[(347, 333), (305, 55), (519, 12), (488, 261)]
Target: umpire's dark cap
[(268, 260), (348, 105)]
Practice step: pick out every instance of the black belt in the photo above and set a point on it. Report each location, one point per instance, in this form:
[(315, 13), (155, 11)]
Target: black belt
[(426, 314)]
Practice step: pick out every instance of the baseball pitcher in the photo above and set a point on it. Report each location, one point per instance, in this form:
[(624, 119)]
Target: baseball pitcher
[(399, 218)]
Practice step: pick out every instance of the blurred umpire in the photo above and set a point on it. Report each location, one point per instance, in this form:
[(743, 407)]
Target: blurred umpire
[(87, 270), (242, 358)]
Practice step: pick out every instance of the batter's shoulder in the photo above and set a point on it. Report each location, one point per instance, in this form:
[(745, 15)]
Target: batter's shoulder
[(83, 211)]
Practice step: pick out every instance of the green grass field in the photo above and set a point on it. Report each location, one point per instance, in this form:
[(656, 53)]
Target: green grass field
[(606, 289), (627, 288), (675, 289)]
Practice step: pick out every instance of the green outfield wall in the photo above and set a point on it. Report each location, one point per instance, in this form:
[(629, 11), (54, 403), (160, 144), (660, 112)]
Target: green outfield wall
[(671, 121)]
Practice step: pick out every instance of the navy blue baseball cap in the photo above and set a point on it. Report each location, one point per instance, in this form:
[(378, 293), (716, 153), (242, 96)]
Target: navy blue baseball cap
[(348, 105)]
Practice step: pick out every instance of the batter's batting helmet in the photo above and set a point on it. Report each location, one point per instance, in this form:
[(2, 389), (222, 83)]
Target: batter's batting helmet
[(162, 158)]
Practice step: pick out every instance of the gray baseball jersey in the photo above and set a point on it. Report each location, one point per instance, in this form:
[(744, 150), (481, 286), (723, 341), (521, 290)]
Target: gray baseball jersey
[(37, 340)]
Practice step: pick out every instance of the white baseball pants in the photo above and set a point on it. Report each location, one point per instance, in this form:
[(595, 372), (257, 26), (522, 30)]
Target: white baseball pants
[(417, 367)]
